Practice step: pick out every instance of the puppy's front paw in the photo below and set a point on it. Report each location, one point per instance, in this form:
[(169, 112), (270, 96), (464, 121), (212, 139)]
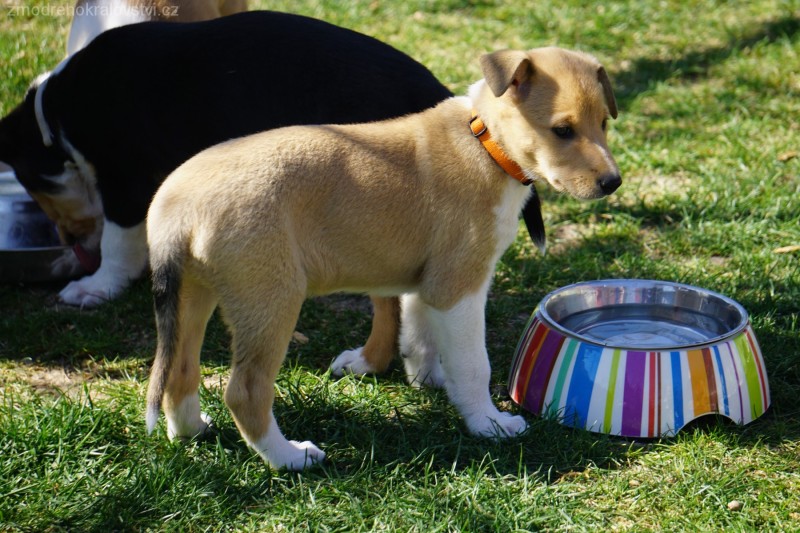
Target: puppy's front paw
[(351, 362), (296, 456), (66, 265), (497, 425), (90, 291)]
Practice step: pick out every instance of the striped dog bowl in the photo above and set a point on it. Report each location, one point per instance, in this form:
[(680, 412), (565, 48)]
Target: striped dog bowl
[(639, 358)]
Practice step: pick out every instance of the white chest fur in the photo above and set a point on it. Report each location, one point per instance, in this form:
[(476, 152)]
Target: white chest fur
[(507, 215)]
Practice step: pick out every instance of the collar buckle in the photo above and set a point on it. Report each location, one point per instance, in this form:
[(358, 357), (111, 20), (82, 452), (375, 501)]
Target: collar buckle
[(477, 129)]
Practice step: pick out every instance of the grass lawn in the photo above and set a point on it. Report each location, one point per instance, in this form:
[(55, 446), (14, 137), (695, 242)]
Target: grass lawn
[(708, 141)]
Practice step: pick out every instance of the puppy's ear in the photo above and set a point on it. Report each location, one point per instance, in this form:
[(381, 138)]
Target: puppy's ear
[(506, 68), (611, 102)]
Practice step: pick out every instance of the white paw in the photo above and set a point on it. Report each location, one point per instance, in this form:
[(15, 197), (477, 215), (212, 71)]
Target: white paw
[(281, 453), (188, 429), (497, 425), (429, 373), (124, 252), (90, 291), (351, 362), (296, 456)]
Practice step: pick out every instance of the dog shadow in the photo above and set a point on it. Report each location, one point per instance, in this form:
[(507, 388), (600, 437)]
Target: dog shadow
[(427, 436)]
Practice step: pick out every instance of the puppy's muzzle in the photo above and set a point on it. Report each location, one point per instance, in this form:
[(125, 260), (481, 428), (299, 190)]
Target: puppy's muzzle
[(609, 183)]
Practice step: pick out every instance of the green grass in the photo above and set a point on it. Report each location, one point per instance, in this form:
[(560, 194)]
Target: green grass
[(709, 97)]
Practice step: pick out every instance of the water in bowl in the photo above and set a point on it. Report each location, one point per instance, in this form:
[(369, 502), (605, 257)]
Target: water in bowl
[(646, 327)]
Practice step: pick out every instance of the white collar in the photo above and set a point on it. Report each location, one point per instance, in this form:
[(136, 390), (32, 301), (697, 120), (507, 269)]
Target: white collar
[(44, 128), (40, 83)]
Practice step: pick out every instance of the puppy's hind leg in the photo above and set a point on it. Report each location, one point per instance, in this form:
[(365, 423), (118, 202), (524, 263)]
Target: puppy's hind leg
[(381, 346), (181, 397), (183, 308), (262, 327), (418, 345), (460, 336)]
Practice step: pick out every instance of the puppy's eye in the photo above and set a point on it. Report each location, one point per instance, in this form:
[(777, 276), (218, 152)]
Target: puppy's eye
[(564, 132), (604, 124)]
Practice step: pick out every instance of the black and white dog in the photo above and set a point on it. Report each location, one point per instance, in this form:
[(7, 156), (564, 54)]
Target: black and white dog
[(92, 17), (93, 140)]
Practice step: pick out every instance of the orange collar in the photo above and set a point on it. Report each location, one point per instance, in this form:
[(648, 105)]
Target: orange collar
[(481, 132)]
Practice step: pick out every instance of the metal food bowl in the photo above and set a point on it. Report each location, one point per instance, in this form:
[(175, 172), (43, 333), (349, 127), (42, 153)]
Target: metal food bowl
[(639, 358), (29, 243)]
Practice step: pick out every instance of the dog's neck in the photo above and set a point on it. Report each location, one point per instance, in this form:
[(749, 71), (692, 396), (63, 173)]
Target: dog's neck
[(532, 212), (481, 132)]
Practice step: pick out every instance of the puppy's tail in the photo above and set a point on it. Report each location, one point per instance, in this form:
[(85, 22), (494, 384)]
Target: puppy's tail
[(166, 292)]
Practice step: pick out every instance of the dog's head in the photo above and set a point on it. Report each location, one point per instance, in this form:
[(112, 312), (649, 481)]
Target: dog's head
[(549, 109), (50, 176)]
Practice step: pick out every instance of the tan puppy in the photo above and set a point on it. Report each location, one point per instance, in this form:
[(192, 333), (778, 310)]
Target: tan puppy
[(414, 206)]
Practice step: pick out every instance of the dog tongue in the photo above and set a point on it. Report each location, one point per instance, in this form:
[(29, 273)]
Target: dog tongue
[(89, 261)]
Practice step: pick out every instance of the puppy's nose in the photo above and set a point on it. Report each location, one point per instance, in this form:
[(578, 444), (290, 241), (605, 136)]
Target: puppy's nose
[(609, 183)]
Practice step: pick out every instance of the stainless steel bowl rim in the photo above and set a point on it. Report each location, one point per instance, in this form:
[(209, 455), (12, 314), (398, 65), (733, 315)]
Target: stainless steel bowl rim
[(35, 249), (548, 320)]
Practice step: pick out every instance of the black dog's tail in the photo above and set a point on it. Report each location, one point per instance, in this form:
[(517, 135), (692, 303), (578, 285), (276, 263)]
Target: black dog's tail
[(166, 291)]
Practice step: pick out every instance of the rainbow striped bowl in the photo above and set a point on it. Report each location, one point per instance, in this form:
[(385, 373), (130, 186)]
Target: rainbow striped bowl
[(639, 358)]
